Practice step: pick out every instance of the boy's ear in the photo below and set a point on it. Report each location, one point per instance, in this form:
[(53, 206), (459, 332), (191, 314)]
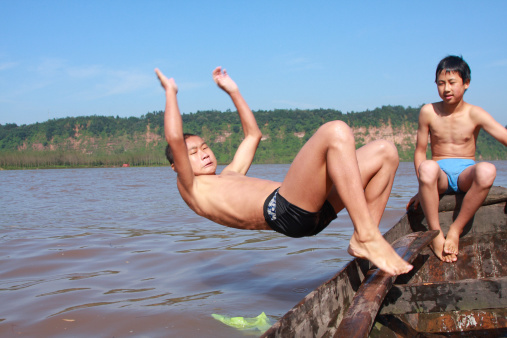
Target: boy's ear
[(467, 84), (173, 167)]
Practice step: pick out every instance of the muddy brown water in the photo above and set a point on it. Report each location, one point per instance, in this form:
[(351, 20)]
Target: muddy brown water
[(117, 253)]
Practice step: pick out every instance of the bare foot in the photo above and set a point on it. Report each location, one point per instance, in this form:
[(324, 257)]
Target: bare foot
[(437, 245), (451, 244), (380, 253)]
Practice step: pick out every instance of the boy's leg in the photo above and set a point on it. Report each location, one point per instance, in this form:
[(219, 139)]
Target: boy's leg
[(326, 164), (378, 162), (432, 182), (476, 180)]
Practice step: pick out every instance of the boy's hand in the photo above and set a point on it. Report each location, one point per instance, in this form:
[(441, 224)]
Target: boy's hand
[(223, 80), (415, 201), (167, 84)]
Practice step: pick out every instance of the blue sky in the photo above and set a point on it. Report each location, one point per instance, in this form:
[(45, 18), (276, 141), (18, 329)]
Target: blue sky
[(75, 58)]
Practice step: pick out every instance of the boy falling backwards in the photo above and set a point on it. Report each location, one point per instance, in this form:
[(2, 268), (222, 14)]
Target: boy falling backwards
[(327, 175), (453, 126)]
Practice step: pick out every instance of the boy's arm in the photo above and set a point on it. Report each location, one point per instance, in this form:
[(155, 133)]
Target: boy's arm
[(422, 138), (246, 150), (173, 128), (489, 124), (420, 147)]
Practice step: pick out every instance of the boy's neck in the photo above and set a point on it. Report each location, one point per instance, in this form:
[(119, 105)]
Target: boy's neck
[(448, 108)]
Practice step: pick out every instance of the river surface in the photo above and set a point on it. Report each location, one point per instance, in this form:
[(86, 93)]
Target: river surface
[(117, 253)]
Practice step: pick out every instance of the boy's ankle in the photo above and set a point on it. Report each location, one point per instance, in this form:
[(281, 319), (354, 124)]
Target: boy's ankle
[(366, 236)]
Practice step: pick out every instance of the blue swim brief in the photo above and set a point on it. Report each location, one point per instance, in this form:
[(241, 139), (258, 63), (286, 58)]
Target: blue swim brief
[(453, 167), (292, 221)]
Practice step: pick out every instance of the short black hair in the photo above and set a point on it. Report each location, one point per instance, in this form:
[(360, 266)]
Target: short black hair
[(168, 151), (453, 63)]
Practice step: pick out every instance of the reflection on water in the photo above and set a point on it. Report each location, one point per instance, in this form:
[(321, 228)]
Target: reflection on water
[(115, 252)]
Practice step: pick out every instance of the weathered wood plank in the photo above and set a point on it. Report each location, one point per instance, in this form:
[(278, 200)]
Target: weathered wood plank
[(466, 323), (481, 255), (470, 294), (360, 316), (307, 319)]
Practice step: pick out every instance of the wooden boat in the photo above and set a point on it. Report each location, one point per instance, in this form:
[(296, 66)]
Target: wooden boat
[(466, 298)]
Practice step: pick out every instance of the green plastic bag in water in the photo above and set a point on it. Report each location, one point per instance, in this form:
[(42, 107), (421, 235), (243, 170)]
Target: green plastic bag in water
[(261, 322)]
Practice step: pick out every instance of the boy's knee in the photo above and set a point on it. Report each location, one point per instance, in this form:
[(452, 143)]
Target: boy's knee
[(428, 171), (336, 131), (485, 173), (389, 150)]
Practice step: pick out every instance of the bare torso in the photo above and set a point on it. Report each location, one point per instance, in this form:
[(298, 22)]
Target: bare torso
[(231, 199), (452, 135)]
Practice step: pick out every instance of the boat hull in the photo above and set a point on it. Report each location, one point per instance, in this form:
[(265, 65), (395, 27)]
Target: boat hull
[(435, 297)]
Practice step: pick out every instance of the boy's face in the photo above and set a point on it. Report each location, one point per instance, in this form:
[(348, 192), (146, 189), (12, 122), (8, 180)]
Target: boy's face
[(201, 157), (451, 87)]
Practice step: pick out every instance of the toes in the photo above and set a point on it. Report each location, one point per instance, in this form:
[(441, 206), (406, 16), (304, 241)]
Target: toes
[(450, 249), (449, 258)]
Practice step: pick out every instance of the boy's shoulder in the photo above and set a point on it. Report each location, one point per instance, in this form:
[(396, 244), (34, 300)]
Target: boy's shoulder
[(475, 109), (428, 107), (434, 107), (430, 110)]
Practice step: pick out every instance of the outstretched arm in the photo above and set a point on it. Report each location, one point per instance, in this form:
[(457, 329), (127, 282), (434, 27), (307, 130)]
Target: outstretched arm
[(246, 150), (173, 127), (490, 125)]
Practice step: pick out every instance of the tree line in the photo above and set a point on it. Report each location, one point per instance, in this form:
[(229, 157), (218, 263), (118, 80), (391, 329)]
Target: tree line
[(91, 141)]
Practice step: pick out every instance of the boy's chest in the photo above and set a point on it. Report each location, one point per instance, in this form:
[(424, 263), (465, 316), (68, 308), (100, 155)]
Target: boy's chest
[(450, 129)]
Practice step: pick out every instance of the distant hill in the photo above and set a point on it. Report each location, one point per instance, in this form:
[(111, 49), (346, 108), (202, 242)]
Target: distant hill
[(114, 141)]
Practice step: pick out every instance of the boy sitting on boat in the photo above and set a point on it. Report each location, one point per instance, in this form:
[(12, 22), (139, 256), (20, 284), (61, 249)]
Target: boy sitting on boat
[(453, 126), (327, 175)]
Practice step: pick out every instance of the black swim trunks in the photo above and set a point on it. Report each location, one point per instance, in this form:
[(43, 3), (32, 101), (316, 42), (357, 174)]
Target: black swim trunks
[(293, 221)]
